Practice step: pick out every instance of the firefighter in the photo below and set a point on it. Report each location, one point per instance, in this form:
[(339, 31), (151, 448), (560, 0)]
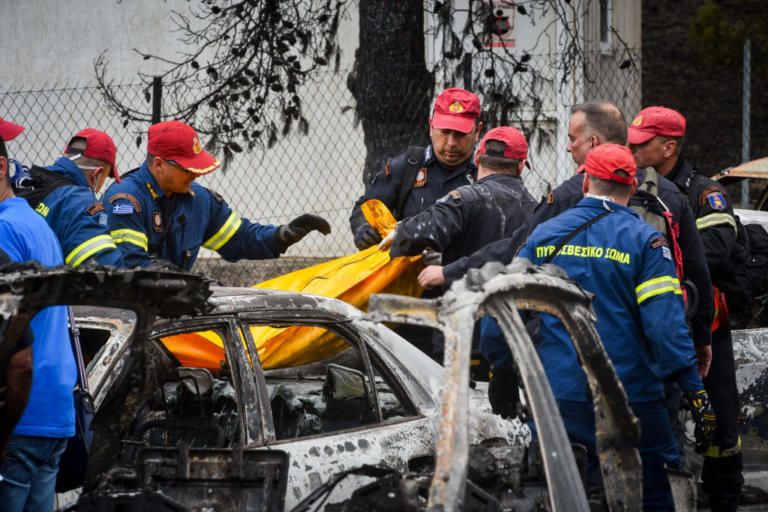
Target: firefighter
[(607, 249), (159, 212), (656, 139), (413, 181), (64, 194)]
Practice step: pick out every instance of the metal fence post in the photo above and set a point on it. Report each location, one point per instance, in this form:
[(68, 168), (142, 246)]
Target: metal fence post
[(747, 66), (157, 98)]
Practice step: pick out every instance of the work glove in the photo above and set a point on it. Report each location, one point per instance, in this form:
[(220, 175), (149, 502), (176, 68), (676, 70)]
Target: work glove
[(430, 256), (503, 393), (366, 236), (298, 228), (703, 418)]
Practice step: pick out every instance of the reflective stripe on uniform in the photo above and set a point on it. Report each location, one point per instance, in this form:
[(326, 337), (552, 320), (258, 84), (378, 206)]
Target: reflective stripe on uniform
[(88, 248), (657, 286), (121, 236), (226, 232), (715, 219)]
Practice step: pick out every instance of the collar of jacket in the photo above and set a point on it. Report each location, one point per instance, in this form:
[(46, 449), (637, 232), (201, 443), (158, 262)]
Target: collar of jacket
[(68, 168), (591, 202), (149, 182), (467, 167)]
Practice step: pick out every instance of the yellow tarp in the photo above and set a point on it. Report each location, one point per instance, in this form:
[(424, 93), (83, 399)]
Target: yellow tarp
[(352, 278)]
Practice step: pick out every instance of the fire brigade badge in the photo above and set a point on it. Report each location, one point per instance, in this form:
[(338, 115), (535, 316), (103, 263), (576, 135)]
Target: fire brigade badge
[(157, 222), (716, 201), (638, 121), (196, 146), (421, 178), (456, 107)]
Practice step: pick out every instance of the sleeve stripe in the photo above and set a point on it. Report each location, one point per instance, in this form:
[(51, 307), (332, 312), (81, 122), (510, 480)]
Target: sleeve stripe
[(131, 236), (226, 232), (88, 248), (715, 219), (657, 286)]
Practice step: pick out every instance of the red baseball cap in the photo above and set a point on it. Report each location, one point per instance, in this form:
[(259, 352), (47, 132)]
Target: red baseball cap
[(456, 109), (8, 130), (654, 121), (603, 162), (98, 145), (506, 142), (178, 142)]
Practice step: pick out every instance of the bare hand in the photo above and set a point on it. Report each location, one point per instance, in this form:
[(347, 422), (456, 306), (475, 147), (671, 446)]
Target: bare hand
[(431, 276), (703, 359)]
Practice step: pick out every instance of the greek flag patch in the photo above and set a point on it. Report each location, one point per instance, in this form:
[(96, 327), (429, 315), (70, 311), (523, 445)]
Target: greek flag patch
[(123, 209)]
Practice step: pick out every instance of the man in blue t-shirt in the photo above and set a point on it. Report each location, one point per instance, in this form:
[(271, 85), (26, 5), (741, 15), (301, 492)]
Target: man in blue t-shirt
[(32, 456)]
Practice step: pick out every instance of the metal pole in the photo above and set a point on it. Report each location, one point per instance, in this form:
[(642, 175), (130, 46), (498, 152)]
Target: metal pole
[(747, 66), (157, 97)]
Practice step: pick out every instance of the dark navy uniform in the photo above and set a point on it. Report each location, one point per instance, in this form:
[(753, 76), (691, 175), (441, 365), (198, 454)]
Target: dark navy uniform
[(432, 182), (466, 219), (726, 248), (147, 225), (570, 193), (61, 194), (628, 266)]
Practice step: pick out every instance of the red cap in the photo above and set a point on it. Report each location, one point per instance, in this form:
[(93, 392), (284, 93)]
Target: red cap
[(603, 162), (506, 142), (456, 109), (99, 146), (178, 142), (8, 130), (654, 121)]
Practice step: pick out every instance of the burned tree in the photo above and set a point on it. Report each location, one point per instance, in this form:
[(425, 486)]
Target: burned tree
[(239, 84)]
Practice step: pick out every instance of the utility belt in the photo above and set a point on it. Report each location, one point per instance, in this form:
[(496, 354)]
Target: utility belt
[(721, 310)]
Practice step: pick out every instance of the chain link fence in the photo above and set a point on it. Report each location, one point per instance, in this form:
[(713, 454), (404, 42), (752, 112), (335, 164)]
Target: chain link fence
[(320, 172)]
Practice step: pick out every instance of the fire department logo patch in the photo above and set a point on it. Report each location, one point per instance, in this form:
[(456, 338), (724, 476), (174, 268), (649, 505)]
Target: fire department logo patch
[(716, 201), (196, 146), (157, 222), (421, 178), (638, 121), (456, 107)]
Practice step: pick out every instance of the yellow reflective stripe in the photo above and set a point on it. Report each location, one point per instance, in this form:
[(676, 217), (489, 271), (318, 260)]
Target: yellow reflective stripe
[(226, 232), (657, 286), (88, 248), (715, 219), (121, 236), (715, 451)]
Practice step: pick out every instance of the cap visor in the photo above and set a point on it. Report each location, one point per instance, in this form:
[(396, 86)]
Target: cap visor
[(446, 122), (9, 131), (202, 163), (635, 136)]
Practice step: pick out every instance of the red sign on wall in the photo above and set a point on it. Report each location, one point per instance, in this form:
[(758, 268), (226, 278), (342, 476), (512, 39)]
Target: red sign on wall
[(500, 24)]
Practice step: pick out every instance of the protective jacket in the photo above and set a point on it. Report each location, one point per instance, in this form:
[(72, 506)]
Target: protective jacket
[(724, 238), (432, 182), (148, 225), (570, 193), (628, 266), (466, 219), (61, 194)]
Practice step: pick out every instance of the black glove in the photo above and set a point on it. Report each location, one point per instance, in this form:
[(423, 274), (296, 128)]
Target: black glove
[(704, 419), (366, 236), (503, 392), (300, 226)]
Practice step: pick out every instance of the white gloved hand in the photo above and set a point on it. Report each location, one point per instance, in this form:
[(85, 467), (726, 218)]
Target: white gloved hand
[(431, 257)]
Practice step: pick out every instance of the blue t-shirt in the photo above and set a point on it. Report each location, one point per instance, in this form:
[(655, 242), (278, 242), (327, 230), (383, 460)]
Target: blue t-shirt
[(50, 411)]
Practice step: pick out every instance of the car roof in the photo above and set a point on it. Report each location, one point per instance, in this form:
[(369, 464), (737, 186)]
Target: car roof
[(756, 169), (237, 300)]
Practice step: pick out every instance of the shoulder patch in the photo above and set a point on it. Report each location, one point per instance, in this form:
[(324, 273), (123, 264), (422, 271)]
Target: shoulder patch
[(666, 253), (710, 194), (455, 194), (421, 178), (94, 209), (659, 241), (716, 201), (128, 197)]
